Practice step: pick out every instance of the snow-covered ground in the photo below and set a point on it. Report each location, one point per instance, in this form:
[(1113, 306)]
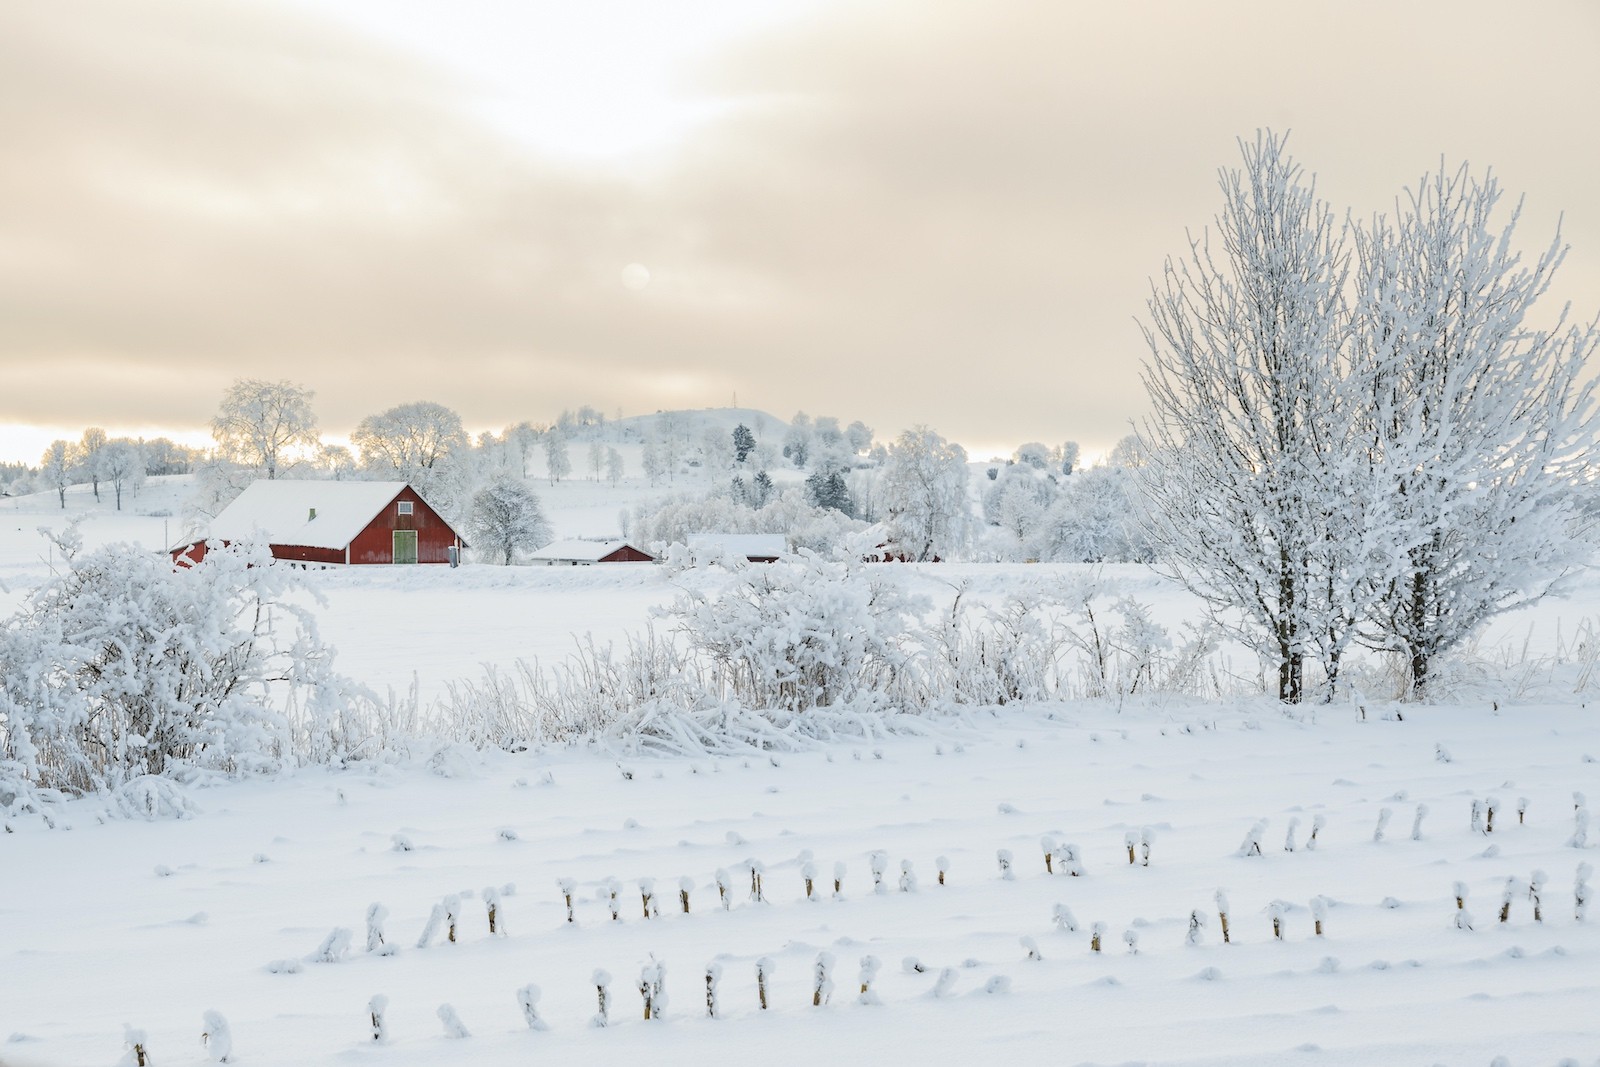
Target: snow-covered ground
[(113, 922)]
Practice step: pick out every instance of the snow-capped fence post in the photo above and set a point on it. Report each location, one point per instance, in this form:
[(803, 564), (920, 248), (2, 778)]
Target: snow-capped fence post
[(1490, 806), (647, 896), (1461, 895), (1003, 857), (869, 973), (838, 880), (1147, 837), (453, 1026), (764, 968), (808, 874), (1505, 899), (528, 1000), (491, 907), (757, 868), (822, 979), (1097, 934), (725, 888), (1130, 839), (685, 884), (1048, 843), (943, 864), (136, 1041), (567, 887), (376, 1007), (649, 983), (1275, 911), (601, 980), (1535, 895), (216, 1037), (452, 904), (1222, 913), (1319, 913), (613, 895), (376, 915), (713, 976), (1317, 823), (1522, 811), (1477, 816)]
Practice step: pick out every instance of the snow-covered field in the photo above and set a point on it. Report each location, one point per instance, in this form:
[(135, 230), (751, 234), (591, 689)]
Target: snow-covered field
[(150, 924)]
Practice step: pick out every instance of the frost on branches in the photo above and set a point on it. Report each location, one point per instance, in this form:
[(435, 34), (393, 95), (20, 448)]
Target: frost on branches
[(124, 667)]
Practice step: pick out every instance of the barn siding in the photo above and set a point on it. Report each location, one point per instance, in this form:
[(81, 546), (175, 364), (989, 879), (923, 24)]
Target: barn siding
[(375, 544), (627, 554)]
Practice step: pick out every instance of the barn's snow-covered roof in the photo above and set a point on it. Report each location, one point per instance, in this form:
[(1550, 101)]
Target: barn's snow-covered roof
[(579, 551), (280, 512)]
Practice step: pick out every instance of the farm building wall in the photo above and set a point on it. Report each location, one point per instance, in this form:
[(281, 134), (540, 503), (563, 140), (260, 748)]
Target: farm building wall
[(375, 543)]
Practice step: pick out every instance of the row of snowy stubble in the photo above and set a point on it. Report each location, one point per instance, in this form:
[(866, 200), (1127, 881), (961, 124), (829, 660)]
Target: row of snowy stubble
[(447, 916)]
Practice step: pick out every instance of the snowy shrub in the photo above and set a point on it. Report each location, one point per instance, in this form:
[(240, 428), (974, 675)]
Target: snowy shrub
[(1131, 841), (601, 980), (334, 947), (136, 1042), (908, 877), (713, 976), (1251, 845), (1197, 923), (1003, 858), (651, 977), (1031, 947), (822, 979), (528, 1001), (1065, 921), (1288, 836), (124, 665), (757, 869)]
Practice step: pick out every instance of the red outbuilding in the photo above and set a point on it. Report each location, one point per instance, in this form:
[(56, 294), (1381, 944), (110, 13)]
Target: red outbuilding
[(332, 523)]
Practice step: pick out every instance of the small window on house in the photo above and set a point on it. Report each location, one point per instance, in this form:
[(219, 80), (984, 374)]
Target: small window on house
[(405, 507)]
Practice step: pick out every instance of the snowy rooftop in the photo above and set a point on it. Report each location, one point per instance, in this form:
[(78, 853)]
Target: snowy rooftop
[(582, 551), (315, 514)]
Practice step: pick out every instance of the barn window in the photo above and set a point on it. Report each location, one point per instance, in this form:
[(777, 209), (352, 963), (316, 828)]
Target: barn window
[(405, 507)]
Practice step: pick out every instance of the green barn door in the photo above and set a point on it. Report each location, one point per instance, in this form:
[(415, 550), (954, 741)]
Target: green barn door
[(405, 546)]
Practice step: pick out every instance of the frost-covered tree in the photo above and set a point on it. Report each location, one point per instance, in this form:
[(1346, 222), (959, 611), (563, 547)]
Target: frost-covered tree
[(924, 495), (55, 469), (614, 469), (1478, 423), (1249, 447), (744, 443), (828, 489), (557, 464), (506, 517), (797, 440), (858, 435), (260, 423), (650, 461), (87, 455), (597, 458), (1067, 455), (409, 438), (1034, 454), (121, 462)]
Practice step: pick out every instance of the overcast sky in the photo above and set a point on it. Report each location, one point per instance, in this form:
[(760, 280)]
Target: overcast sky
[(902, 212)]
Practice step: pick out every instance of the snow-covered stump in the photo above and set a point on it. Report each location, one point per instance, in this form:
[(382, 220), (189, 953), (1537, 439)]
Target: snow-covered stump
[(601, 980), (377, 915), (1003, 858), (1222, 913), (1536, 894), (1251, 845), (334, 947), (1384, 815), (1131, 840), (1506, 895), (756, 869), (1147, 837), (1197, 922), (1490, 807), (713, 976), (651, 977), (216, 1036), (838, 880), (685, 884), (1275, 913), (724, 882), (136, 1041), (878, 864), (491, 908), (1048, 844), (764, 969), (908, 877), (528, 1000), (1031, 947), (647, 897), (377, 1017), (1581, 892), (1065, 921), (1319, 914), (943, 865), (567, 887), (808, 875), (870, 965), (453, 1026), (1416, 823), (1317, 823), (611, 892), (1288, 835), (1097, 934), (822, 979)]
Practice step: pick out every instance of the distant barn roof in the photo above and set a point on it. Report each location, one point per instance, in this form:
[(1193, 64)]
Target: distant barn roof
[(580, 551), (279, 512)]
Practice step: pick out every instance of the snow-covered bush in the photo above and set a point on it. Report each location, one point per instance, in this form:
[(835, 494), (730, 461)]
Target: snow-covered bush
[(124, 666)]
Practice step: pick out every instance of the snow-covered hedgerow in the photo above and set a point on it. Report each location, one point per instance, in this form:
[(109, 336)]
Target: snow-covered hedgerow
[(124, 667)]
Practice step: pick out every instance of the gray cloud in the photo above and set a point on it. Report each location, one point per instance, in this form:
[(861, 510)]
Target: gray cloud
[(911, 213)]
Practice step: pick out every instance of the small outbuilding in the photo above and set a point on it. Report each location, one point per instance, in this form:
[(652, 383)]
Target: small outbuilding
[(586, 553), (755, 548), (332, 522)]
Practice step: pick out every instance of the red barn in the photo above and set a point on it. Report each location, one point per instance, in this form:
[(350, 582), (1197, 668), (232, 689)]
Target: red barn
[(332, 522)]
